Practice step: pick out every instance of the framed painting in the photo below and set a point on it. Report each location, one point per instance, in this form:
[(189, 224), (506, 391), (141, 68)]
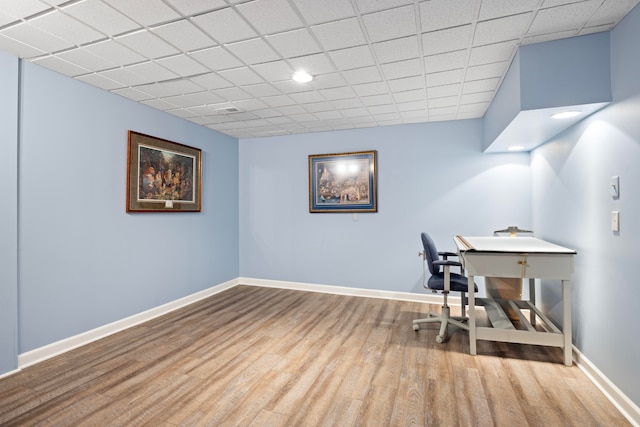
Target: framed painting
[(343, 182), (163, 176)]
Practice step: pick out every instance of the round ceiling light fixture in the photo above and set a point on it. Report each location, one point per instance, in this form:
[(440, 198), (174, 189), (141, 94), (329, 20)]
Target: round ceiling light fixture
[(302, 77)]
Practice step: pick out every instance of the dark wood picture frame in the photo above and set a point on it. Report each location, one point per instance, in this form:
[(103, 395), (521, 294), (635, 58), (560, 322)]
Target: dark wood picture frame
[(343, 182), (163, 176)]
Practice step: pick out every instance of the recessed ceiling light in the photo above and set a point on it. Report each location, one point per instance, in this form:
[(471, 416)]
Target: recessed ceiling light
[(565, 114), (516, 148), (302, 77)]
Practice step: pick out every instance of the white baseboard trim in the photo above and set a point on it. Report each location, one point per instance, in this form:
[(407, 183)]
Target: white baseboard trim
[(48, 351), (428, 298), (630, 410)]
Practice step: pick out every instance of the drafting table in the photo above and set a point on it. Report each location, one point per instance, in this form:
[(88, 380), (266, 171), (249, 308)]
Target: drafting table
[(523, 257)]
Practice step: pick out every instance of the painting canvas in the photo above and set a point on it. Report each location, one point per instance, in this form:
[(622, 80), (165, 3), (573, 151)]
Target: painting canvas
[(163, 176), (343, 182)]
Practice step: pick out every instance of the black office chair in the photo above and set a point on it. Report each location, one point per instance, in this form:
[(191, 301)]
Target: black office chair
[(443, 280)]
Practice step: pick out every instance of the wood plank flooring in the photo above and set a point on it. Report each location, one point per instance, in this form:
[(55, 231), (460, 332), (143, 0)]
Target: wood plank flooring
[(253, 356)]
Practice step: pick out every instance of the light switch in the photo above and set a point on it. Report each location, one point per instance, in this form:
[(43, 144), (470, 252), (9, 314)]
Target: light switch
[(615, 187), (615, 221)]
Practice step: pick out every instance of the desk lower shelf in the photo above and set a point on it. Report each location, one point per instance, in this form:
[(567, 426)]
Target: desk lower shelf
[(504, 329)]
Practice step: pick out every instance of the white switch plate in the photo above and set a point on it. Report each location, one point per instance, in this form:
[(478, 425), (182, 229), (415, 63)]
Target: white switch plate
[(615, 187), (615, 221)]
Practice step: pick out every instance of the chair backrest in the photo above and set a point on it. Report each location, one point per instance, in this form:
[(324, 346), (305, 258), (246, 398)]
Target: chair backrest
[(431, 253)]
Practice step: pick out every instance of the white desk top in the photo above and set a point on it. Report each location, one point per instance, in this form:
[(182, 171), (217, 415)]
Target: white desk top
[(509, 244)]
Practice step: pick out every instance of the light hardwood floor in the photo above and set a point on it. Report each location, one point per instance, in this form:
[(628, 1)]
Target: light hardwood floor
[(271, 357)]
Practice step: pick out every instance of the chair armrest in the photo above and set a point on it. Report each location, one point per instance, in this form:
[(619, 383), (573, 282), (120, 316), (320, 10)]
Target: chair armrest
[(447, 254), (444, 262)]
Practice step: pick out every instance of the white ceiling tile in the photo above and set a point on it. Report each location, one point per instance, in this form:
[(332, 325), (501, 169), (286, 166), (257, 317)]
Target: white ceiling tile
[(174, 87), (441, 91), (125, 77), (446, 61), (450, 39), (146, 12), (83, 58), (411, 95), (232, 94), (472, 98), (319, 106), (261, 90), (439, 14), (60, 66), (278, 101), (353, 57), (396, 70), (337, 93), (274, 71), (326, 81), (36, 38), (159, 104), (307, 97), (410, 106), (289, 110), (6, 19), (592, 30), (254, 51), (610, 11), (446, 101), (241, 76), (502, 29), (114, 52), (67, 28), (480, 85), (362, 75), (184, 35), (490, 9), (479, 107), (19, 49), (131, 93), (339, 34), (406, 83), (391, 24), (315, 12), (397, 50), (23, 8), (417, 115), (275, 119), (367, 89), (445, 77), (493, 53), (270, 16), (147, 44), (562, 18), (485, 71), (211, 81), (294, 43), (194, 99), (329, 115), (354, 102), (368, 6), (355, 112), (183, 65), (152, 71), (313, 64), (382, 109), (370, 101), (216, 58), (250, 104), (548, 37), (99, 81), (290, 86), (225, 25), (192, 7)]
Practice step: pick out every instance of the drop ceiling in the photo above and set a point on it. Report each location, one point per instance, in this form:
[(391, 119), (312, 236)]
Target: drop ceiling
[(227, 64)]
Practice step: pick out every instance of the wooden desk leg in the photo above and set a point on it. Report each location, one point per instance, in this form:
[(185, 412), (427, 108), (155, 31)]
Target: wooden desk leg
[(566, 322), (472, 316)]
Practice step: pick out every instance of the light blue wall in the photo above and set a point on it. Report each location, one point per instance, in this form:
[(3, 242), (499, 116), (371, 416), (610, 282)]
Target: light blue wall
[(83, 261), (572, 205), (8, 211), (432, 177), (506, 104)]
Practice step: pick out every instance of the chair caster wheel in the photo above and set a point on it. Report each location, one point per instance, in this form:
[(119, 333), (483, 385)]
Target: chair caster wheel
[(416, 327), (439, 339)]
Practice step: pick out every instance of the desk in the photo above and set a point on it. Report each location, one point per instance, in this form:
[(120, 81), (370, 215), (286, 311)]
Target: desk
[(523, 257)]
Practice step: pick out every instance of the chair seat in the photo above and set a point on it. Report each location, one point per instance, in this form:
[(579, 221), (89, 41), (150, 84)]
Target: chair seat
[(459, 283)]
